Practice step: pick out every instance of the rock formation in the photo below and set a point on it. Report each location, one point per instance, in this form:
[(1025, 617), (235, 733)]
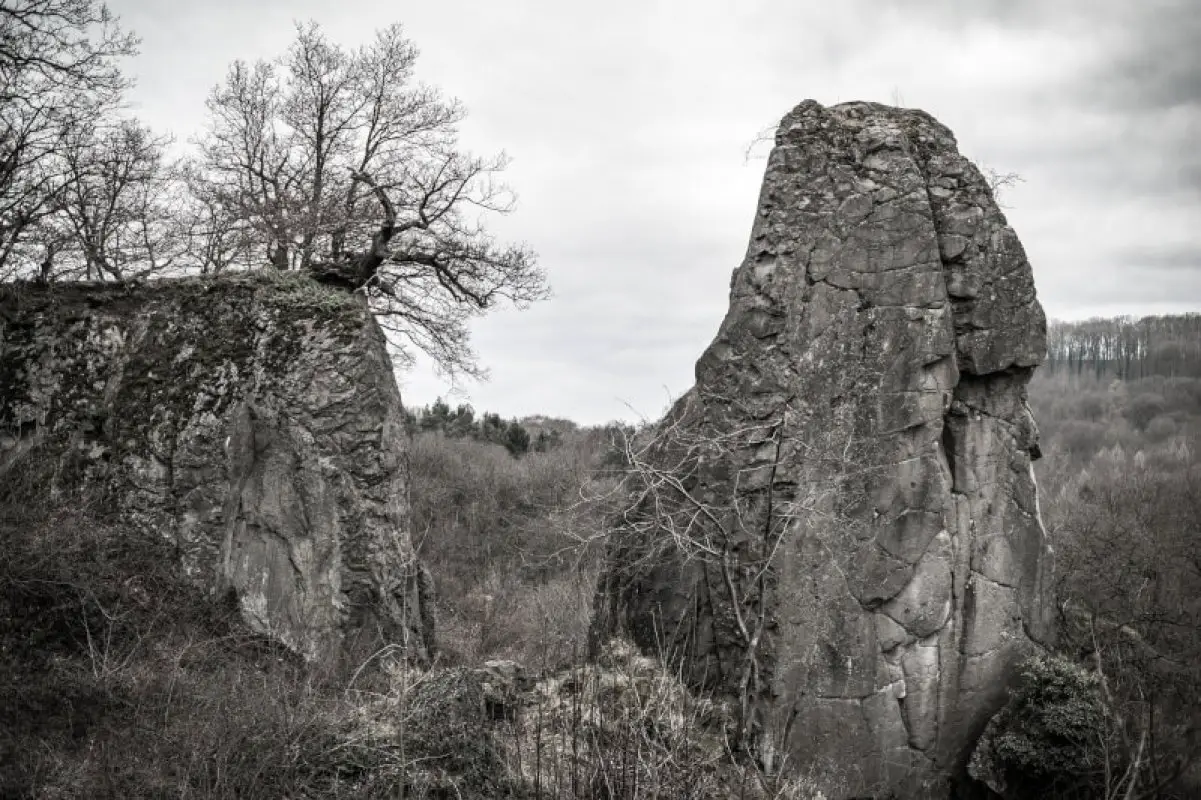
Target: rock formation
[(253, 420), (837, 528)]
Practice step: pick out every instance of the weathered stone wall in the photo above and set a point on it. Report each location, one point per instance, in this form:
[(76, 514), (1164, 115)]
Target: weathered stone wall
[(851, 548), (254, 420)]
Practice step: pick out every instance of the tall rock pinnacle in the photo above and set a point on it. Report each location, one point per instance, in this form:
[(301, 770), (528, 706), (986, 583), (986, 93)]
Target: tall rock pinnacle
[(837, 528)]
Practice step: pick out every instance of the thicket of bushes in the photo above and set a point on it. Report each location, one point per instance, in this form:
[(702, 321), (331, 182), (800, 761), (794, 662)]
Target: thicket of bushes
[(514, 545), (1082, 415), (119, 680), (1055, 738)]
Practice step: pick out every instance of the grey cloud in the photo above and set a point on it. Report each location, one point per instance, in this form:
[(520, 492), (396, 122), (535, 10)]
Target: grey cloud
[(1011, 13), (628, 130), (1074, 140), (1186, 257), (1148, 53), (1158, 62), (1091, 286), (1152, 82), (1154, 165)]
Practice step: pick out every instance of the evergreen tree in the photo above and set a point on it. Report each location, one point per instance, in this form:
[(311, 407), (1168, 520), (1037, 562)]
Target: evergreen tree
[(517, 439)]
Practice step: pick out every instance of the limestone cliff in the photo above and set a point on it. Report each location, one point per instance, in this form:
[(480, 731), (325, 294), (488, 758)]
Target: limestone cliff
[(838, 527), (254, 420)]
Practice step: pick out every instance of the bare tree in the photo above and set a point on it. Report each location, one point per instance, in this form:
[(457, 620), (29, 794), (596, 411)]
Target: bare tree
[(1129, 573), (244, 165), (119, 201), (59, 75), (765, 136), (336, 162), (1125, 347), (215, 237), (721, 501), (1000, 182)]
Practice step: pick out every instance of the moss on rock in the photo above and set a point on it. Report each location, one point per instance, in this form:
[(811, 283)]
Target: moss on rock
[(251, 418)]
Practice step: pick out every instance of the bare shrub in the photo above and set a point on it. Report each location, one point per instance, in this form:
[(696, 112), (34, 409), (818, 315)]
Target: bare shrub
[(513, 549)]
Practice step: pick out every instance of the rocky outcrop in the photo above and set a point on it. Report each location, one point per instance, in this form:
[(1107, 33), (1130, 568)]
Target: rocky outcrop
[(254, 420), (838, 525)]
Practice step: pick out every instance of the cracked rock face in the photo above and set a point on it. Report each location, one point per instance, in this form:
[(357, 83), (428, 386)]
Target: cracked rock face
[(254, 421), (852, 546)]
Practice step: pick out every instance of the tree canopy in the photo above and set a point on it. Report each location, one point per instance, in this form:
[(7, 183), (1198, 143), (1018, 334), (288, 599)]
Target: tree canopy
[(337, 162), (60, 81), (326, 159)]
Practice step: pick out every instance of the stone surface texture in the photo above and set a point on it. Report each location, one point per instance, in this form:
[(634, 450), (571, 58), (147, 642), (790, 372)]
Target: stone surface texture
[(254, 420), (838, 526)]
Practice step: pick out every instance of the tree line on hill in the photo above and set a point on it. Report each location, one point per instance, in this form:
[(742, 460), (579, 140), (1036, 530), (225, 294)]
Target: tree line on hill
[(461, 423), (1126, 347), (1119, 408)]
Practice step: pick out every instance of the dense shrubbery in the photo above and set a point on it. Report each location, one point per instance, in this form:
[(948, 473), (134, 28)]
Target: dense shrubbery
[(1082, 415), (1067, 734), (514, 544), (461, 423), (1125, 525), (1054, 739), (119, 680)]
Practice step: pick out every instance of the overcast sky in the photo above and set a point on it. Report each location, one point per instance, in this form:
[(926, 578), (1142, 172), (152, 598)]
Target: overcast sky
[(628, 124)]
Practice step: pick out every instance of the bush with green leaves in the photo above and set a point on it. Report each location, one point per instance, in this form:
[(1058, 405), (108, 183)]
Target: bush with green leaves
[(1053, 739)]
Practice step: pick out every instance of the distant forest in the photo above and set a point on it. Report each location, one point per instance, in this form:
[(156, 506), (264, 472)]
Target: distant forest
[(1118, 404), (1121, 382), (1127, 348)]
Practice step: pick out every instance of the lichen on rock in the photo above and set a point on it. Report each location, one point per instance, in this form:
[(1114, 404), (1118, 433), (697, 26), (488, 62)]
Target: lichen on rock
[(849, 543), (253, 419)]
